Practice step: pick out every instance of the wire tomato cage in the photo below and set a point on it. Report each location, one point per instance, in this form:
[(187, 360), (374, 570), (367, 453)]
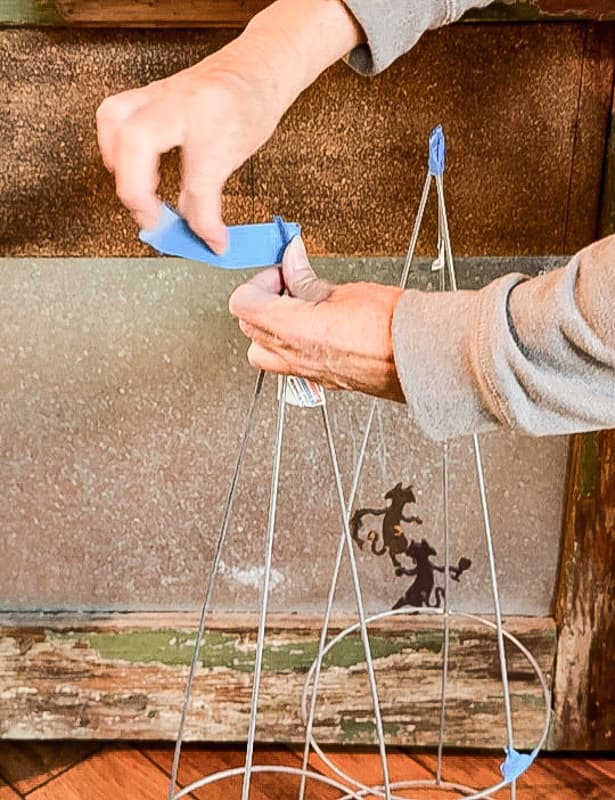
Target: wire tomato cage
[(259, 245)]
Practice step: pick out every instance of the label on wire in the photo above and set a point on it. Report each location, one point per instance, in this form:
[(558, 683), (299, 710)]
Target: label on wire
[(302, 392), (439, 262)]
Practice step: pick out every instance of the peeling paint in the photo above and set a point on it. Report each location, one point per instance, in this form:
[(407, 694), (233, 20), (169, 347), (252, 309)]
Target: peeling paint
[(229, 651)]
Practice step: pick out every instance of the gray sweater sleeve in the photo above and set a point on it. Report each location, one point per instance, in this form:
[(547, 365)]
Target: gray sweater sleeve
[(392, 27), (537, 355)]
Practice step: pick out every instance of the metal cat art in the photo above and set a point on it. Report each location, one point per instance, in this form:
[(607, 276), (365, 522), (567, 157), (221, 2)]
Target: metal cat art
[(392, 540)]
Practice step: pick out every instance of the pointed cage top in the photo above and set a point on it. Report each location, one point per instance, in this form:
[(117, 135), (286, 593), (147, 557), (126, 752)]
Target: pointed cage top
[(437, 151)]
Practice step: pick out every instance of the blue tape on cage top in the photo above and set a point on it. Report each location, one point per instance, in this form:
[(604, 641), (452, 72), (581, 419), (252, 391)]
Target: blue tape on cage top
[(516, 764), (248, 245), (437, 151)]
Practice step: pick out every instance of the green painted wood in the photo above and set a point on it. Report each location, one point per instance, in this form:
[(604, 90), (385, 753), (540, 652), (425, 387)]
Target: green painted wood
[(29, 12), (122, 676)]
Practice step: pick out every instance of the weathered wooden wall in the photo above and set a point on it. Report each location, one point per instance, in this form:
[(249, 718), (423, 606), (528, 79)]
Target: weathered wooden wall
[(123, 676), (585, 607)]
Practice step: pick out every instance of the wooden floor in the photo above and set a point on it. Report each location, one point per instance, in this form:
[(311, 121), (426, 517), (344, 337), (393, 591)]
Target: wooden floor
[(82, 771)]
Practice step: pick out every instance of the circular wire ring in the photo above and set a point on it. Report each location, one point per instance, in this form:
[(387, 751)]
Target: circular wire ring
[(378, 790)]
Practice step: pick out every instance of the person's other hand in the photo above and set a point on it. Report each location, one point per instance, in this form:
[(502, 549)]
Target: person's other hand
[(338, 335), (219, 112)]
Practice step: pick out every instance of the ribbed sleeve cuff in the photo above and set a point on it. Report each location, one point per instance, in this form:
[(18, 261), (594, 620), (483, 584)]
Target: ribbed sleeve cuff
[(391, 27), (436, 346)]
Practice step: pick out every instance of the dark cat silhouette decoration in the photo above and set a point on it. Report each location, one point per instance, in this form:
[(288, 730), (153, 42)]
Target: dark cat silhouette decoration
[(394, 540), (422, 592)]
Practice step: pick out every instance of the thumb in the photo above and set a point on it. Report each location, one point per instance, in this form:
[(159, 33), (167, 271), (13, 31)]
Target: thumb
[(299, 277)]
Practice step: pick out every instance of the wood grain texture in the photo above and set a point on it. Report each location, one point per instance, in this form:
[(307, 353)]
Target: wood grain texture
[(110, 773), (584, 686), (26, 765), (123, 677), (138, 13), (584, 691), (6, 793), (594, 112), (237, 13)]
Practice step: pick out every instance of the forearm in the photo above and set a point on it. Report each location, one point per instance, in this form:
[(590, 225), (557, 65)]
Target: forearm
[(290, 43), (537, 355)]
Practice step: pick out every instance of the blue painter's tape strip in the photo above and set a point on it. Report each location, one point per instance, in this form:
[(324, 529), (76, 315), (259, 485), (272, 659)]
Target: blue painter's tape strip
[(437, 151), (516, 764), (249, 245)]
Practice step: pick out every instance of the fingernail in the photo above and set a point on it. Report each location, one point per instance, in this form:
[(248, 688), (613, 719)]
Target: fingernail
[(150, 219), (296, 253)]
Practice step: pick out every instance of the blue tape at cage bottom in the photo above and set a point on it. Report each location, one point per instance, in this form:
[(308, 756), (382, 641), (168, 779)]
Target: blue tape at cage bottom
[(515, 763), (249, 246)]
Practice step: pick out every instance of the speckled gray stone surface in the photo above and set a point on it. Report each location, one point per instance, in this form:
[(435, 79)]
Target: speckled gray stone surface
[(123, 389)]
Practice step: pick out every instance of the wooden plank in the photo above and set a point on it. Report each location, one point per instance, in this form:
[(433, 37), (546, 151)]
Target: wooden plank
[(590, 135), (122, 676), (584, 689), (6, 793), (607, 216), (26, 765), (237, 13), (584, 685), (163, 13), (29, 12), (111, 773)]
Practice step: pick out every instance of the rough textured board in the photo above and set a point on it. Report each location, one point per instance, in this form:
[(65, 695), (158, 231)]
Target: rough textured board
[(123, 676), (591, 133), (110, 773), (584, 686), (54, 190), (353, 169), (26, 765), (348, 160)]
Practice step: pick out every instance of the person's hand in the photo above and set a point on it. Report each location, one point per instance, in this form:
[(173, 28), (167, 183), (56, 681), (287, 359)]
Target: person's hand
[(220, 111), (338, 335)]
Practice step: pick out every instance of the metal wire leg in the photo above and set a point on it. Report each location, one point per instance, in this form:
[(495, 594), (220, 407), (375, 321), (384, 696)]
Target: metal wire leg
[(446, 644), (309, 723), (496, 600), (211, 580), (360, 609), (485, 510), (262, 621)]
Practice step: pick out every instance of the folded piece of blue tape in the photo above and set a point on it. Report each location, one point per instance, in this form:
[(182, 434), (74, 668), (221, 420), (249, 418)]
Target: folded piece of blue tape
[(516, 764), (248, 245)]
